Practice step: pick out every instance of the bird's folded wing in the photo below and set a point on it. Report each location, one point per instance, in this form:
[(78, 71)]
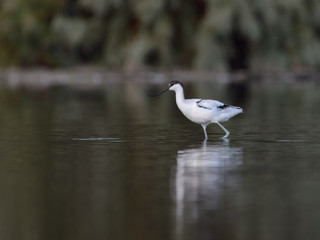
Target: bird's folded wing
[(209, 104)]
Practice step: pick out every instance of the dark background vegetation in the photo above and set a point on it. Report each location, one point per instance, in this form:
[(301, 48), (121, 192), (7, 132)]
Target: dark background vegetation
[(194, 34)]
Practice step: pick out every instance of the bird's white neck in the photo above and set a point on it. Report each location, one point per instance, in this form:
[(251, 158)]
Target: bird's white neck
[(179, 95)]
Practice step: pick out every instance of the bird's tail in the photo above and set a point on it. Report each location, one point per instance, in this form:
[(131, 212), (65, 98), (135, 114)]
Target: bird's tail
[(230, 112)]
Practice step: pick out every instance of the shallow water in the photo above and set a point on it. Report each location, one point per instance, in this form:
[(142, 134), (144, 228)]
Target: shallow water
[(112, 163)]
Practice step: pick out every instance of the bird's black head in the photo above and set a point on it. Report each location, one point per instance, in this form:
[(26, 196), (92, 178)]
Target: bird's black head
[(174, 83), (172, 86)]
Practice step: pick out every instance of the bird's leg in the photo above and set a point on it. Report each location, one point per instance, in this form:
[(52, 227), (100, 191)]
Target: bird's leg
[(226, 131), (204, 126)]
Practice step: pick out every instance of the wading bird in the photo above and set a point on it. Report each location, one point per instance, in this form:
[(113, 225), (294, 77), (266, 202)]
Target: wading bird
[(202, 111)]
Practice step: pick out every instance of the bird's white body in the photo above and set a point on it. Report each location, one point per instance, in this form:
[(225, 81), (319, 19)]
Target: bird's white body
[(202, 111)]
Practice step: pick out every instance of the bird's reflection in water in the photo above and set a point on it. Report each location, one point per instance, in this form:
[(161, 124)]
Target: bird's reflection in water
[(204, 176)]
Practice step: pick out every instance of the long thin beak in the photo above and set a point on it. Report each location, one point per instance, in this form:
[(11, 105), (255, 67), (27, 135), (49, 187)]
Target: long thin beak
[(157, 94)]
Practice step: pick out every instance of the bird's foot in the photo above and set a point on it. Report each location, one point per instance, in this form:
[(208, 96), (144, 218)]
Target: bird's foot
[(225, 136)]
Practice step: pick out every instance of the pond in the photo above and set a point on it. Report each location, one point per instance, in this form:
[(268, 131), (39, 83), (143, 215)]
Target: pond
[(111, 163)]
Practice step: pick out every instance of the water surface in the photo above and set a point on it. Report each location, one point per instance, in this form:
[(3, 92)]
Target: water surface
[(111, 163)]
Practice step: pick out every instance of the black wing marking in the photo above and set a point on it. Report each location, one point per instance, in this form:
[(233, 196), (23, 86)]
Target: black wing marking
[(224, 106), (201, 106)]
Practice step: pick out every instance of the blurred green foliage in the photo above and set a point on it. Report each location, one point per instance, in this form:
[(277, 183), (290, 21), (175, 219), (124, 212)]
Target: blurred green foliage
[(202, 34)]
